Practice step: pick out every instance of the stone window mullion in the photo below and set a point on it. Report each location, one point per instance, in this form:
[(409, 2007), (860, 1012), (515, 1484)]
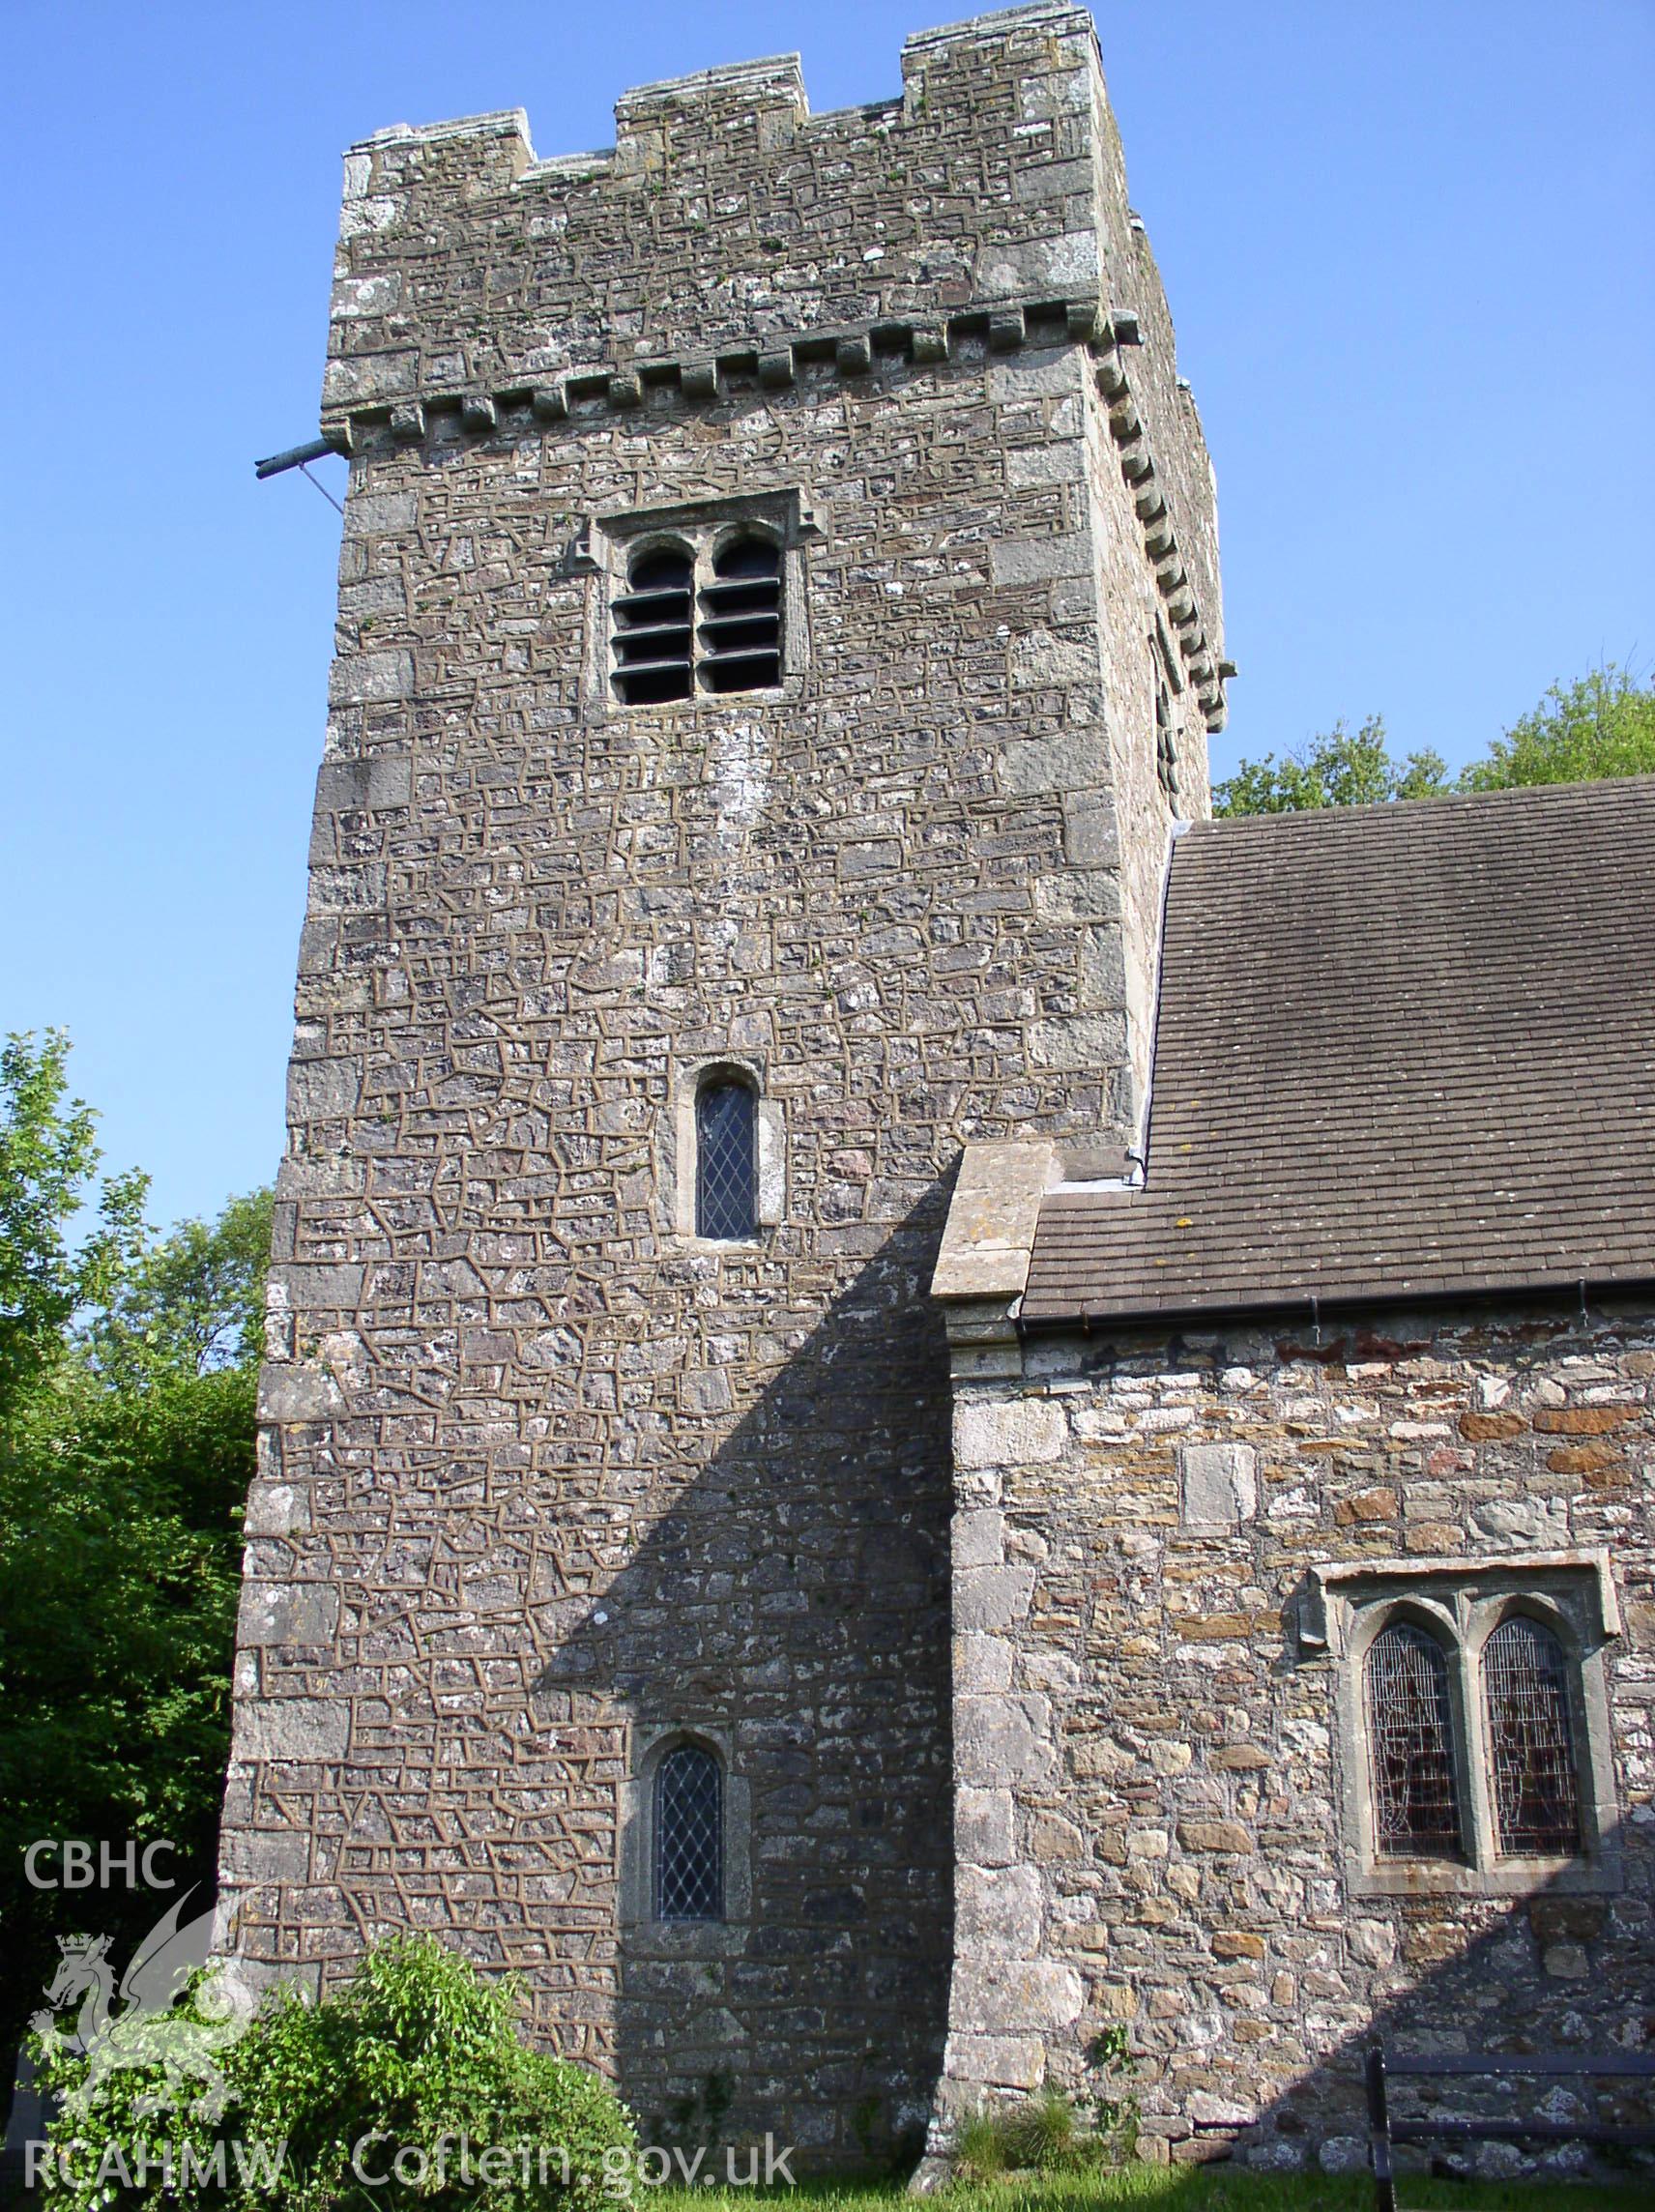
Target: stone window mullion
[(1476, 1780), (701, 578)]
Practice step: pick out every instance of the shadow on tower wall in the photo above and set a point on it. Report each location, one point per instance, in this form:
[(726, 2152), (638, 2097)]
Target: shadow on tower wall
[(789, 1606)]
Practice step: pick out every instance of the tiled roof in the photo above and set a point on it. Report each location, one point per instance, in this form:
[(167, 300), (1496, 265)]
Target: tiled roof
[(1401, 1050)]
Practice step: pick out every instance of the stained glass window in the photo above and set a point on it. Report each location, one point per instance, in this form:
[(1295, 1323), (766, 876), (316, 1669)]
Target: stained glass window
[(1410, 1746), (1537, 1806)]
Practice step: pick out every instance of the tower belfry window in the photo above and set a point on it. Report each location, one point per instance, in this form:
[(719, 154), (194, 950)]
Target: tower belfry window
[(700, 613), (741, 618), (652, 632)]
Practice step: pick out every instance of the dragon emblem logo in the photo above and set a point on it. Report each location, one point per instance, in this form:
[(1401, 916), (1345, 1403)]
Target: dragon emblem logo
[(151, 2030)]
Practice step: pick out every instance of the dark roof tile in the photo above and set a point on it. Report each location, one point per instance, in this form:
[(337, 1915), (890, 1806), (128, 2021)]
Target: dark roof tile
[(1401, 1049)]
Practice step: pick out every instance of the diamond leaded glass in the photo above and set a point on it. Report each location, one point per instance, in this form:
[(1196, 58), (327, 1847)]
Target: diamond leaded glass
[(725, 1176), (689, 1836), (1537, 1791), (1411, 1745)]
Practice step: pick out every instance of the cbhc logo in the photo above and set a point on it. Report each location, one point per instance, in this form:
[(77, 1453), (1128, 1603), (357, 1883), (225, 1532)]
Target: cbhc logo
[(82, 1869)]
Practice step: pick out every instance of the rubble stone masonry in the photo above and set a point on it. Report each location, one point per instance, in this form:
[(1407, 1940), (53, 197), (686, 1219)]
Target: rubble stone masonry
[(1159, 1778)]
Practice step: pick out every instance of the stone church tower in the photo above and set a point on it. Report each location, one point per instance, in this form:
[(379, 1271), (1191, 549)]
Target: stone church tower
[(779, 627)]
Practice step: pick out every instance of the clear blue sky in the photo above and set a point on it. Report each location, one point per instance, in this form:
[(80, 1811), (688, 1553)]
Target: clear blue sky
[(1407, 248)]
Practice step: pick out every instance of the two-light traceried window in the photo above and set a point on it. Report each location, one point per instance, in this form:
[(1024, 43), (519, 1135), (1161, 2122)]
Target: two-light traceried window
[(1536, 1790), (689, 1835), (1410, 1746), (1476, 1712), (726, 1160), (705, 618)]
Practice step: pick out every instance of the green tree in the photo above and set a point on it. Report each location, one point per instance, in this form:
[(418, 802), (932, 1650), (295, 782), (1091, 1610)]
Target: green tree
[(120, 1513), (48, 1158), (1340, 768), (1603, 724), (126, 1379), (191, 1302)]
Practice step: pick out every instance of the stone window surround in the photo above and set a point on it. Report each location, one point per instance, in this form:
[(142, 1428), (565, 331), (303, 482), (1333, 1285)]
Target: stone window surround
[(771, 1133), (645, 1934), (608, 545), (1460, 1602)]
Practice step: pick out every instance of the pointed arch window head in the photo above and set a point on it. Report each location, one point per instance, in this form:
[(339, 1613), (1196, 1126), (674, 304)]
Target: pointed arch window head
[(1525, 1686), (1410, 1746), (726, 1160), (689, 1835)]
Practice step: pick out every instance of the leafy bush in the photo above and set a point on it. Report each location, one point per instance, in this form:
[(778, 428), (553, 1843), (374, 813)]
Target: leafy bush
[(418, 2053)]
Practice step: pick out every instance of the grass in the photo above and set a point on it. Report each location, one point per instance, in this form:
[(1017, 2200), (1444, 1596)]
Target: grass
[(1179, 2188), (1150, 2188)]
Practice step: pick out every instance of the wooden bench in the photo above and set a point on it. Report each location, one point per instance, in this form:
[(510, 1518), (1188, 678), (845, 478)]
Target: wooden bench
[(1385, 2066)]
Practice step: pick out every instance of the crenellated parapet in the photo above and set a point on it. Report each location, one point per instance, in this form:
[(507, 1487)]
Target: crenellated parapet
[(729, 238)]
